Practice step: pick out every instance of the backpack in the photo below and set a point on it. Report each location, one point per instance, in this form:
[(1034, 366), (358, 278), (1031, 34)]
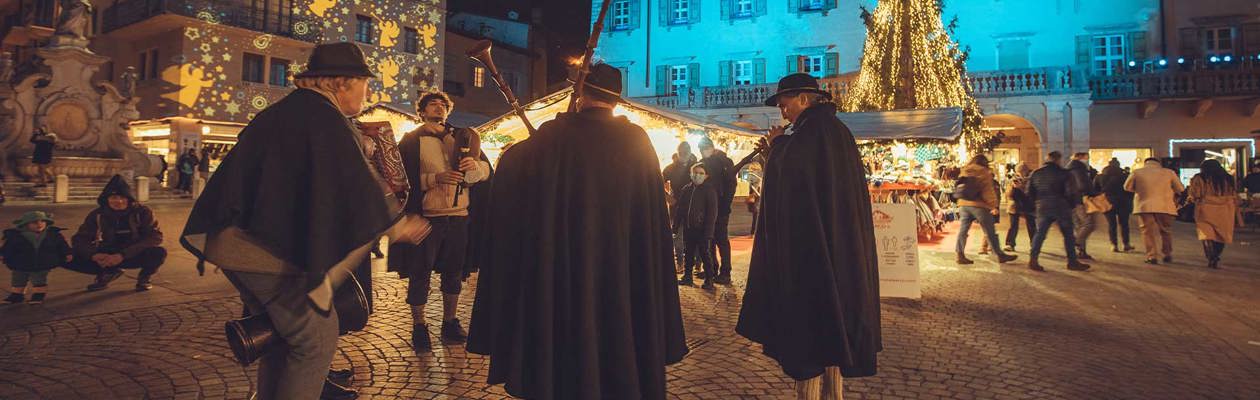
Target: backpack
[(967, 188)]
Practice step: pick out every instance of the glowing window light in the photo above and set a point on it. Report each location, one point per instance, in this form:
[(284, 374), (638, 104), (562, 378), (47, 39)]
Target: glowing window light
[(479, 76), (1250, 141)]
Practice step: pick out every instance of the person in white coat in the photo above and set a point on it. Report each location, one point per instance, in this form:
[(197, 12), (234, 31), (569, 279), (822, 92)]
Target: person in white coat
[(1156, 188)]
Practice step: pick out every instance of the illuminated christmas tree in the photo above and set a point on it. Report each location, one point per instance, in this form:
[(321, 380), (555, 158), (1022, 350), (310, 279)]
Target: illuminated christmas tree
[(910, 61)]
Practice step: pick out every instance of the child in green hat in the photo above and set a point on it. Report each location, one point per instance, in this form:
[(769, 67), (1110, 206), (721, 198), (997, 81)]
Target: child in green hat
[(31, 249)]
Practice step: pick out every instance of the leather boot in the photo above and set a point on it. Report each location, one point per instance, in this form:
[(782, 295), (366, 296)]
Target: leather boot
[(420, 341), (333, 391), (1033, 265)]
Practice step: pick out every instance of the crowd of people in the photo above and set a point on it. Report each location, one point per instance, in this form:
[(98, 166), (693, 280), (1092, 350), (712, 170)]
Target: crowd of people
[(1075, 196)]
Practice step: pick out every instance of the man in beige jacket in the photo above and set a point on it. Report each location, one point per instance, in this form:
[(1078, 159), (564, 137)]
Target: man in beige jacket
[(1155, 205), (979, 206)]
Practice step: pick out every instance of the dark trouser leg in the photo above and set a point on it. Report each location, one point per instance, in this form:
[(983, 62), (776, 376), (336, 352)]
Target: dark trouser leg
[(1113, 219), (1067, 229), (1043, 229), (964, 226), (1012, 231), (418, 289), (1220, 248), (693, 249), (84, 264), (452, 283), (1209, 249), (1123, 220), (148, 261), (1030, 226), (723, 243), (364, 275), (298, 366), (1083, 226)]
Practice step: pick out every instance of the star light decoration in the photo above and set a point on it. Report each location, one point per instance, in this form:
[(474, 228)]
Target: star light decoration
[(200, 71), (924, 72)]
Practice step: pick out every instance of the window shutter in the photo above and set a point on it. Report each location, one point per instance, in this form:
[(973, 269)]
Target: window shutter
[(693, 75), (693, 12), (759, 7), (595, 12), (793, 64), (662, 80), (664, 12), (759, 71), (636, 13), (1083, 48), (829, 5), (1137, 46), (724, 73), (625, 79), (1250, 40), (726, 8), (608, 17), (833, 64), (794, 6), (1191, 45)]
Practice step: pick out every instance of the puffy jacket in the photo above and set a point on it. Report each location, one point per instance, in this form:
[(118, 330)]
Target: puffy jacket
[(1052, 189), (982, 176), (1082, 179), (697, 209), (21, 255)]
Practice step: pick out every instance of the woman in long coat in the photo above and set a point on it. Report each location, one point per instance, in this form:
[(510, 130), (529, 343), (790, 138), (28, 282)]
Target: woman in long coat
[(1215, 199)]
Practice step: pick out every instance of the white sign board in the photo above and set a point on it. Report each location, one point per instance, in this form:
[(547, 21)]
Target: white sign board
[(897, 242)]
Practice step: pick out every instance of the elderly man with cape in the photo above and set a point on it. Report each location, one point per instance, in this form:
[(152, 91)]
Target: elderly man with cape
[(812, 299), (577, 299)]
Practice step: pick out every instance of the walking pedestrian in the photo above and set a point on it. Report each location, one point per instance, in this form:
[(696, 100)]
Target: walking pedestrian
[(812, 300), (1155, 189), (978, 204), (1020, 206), (695, 214), (186, 165), (1215, 198), (1083, 218), (722, 170), (45, 141), (1252, 182), (32, 248), (1111, 182), (1052, 189)]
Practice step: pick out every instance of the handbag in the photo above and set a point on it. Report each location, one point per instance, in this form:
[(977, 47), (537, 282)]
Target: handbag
[(253, 336), (1097, 204)]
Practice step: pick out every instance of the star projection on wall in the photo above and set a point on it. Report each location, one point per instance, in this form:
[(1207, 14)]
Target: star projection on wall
[(203, 86)]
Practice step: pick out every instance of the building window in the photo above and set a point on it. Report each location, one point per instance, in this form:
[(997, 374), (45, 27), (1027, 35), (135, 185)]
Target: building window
[(252, 68), (147, 67), (621, 15), (814, 65), (479, 76), (1108, 55), (279, 72), (1218, 41), (743, 8), (411, 41), (678, 79), (680, 12), (813, 4), (365, 30), (1013, 54), (742, 73)]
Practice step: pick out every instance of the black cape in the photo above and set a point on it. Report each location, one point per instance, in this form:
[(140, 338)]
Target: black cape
[(812, 299), (578, 299), (298, 183)]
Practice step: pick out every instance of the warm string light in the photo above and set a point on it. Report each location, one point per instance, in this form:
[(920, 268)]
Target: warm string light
[(936, 66)]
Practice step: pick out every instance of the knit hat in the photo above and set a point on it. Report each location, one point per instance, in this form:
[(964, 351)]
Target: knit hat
[(33, 216)]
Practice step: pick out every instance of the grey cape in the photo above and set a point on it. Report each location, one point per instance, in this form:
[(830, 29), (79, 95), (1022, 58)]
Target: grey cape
[(296, 182), (812, 299), (577, 299)]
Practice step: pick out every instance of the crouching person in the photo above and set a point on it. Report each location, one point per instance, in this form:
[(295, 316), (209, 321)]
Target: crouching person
[(120, 234)]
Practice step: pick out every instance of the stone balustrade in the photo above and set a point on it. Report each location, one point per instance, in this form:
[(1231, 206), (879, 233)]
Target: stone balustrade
[(1177, 84)]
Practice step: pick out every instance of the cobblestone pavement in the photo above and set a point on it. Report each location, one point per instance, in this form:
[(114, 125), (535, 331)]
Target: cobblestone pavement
[(1121, 331)]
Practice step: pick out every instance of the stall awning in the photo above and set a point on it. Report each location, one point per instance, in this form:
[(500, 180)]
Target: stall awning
[(937, 123)]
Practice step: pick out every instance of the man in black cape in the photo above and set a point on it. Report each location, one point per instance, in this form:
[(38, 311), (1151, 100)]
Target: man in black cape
[(578, 299), (292, 210), (812, 299)]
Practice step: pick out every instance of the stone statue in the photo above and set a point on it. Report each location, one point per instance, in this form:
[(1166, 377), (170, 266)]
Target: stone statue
[(129, 78), (75, 16), (6, 67)]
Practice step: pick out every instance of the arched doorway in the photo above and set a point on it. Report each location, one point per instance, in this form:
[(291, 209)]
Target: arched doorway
[(1021, 143)]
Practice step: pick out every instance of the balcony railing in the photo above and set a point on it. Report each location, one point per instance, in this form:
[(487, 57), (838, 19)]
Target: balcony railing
[(739, 96), (1024, 82), (227, 12), (1177, 84)]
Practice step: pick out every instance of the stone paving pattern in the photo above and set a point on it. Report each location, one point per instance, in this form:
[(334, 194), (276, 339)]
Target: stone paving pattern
[(1124, 330)]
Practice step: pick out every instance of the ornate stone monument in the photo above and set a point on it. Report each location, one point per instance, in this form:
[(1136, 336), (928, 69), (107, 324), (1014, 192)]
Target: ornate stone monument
[(90, 118)]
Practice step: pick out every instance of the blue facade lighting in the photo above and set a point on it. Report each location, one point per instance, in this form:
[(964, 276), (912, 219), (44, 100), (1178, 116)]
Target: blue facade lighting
[(1229, 58), (1214, 59), (1132, 63), (1182, 60), (1163, 62)]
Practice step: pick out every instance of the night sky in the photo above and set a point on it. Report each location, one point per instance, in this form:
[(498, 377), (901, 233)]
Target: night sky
[(565, 24)]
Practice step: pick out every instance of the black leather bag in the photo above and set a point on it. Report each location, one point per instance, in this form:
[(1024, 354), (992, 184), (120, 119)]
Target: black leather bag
[(253, 336)]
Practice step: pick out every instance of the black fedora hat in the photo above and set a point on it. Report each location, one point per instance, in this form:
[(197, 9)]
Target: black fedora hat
[(796, 83), (337, 59), (604, 78)]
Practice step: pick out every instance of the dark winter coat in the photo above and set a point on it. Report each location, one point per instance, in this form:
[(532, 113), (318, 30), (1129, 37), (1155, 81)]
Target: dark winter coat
[(1020, 202), (722, 172), (697, 209), (297, 182), (677, 174), (578, 299), (127, 232), (21, 255), (1111, 183), (812, 299), (43, 149), (1083, 179), (1053, 190)]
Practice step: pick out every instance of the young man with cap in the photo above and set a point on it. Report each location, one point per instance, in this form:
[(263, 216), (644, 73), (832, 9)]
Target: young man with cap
[(812, 300), (579, 301), (443, 163), (292, 210)]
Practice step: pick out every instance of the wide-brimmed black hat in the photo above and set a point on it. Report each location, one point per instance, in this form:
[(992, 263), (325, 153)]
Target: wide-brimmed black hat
[(796, 83), (337, 59), (604, 78)]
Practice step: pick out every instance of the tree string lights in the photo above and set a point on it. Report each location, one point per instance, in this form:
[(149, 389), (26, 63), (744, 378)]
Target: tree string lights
[(910, 61)]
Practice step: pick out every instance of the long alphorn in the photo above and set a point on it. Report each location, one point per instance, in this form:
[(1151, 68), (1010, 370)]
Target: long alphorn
[(481, 52), (584, 68)]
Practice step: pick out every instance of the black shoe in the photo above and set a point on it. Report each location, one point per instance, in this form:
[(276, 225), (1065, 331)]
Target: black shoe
[(15, 298), (1033, 265), (686, 281), (722, 279), (1128, 248), (333, 391), (1167, 259), (1078, 266), (1084, 256), (340, 376), (708, 285), (420, 341), (1115, 248), (452, 332), (104, 278), (963, 260), (37, 298), (144, 283), (1152, 261), (1003, 259), (1008, 248)]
